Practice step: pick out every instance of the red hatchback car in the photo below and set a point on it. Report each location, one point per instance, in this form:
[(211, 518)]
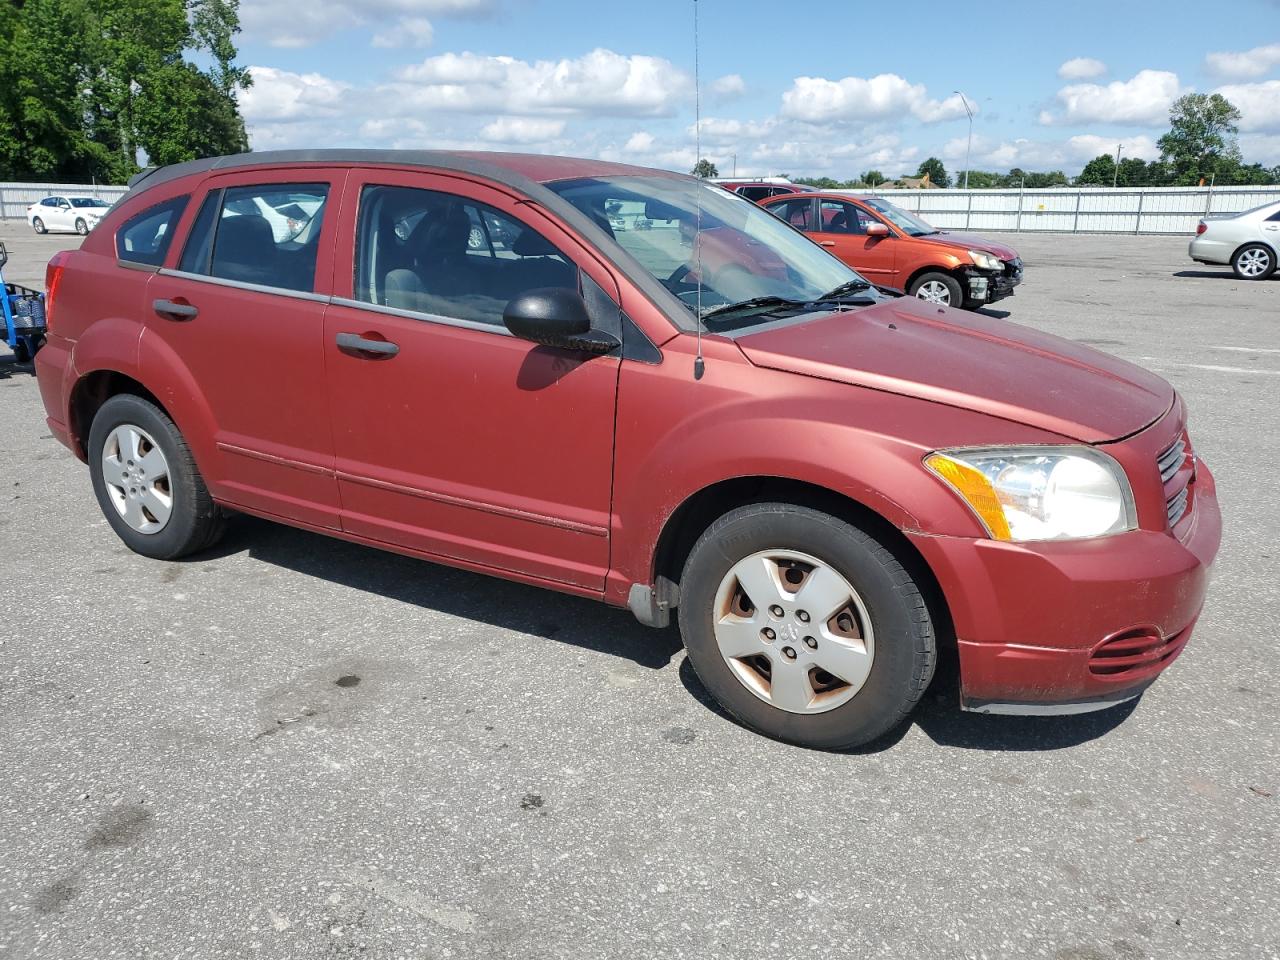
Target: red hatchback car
[(454, 356)]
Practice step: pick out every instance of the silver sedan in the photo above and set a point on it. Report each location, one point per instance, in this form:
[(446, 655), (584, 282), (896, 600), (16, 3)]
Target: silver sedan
[(1249, 241)]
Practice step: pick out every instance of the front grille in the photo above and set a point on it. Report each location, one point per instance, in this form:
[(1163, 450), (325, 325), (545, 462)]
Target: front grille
[(1139, 652), (1171, 460), (1013, 268), (1176, 489)]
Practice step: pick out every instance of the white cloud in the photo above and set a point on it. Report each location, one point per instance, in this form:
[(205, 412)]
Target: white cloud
[(1261, 148), (887, 95), (639, 142), (301, 24), (1144, 99), (278, 96), (1244, 64), (522, 130), (728, 87), (1081, 68), (1069, 155), (600, 82), (1259, 104), (408, 32)]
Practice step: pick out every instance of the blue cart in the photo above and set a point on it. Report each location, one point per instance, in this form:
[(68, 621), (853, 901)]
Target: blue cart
[(24, 323)]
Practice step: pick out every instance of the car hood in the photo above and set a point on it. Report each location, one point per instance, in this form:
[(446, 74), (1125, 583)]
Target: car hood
[(970, 361), (971, 241)]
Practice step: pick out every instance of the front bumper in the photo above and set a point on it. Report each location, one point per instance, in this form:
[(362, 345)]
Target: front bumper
[(1072, 626), (988, 286)]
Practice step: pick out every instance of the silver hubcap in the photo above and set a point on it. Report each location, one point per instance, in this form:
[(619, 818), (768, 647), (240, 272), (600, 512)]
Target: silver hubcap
[(1253, 263), (137, 478), (793, 631), (934, 291)]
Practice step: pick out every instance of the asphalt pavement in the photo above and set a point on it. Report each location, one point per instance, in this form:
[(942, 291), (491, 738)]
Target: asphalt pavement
[(294, 747)]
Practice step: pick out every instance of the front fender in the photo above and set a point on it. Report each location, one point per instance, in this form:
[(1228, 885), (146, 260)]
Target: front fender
[(677, 437)]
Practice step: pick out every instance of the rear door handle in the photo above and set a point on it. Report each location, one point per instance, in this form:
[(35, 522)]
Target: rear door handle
[(356, 344), (172, 310), (827, 243)]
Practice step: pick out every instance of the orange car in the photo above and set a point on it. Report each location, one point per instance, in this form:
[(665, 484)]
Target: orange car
[(893, 248)]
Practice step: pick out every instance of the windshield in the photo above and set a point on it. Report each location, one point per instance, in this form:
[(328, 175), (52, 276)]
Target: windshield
[(88, 202), (751, 265), (908, 223)]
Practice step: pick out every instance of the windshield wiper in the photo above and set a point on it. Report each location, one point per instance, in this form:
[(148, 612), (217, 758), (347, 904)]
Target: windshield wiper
[(846, 288), (751, 304)]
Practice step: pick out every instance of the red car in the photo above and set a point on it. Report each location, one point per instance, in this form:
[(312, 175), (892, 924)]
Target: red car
[(760, 190), (828, 486), (898, 250)]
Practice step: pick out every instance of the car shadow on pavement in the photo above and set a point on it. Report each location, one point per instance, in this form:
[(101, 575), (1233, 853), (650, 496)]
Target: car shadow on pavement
[(942, 720), (459, 593), (1224, 273)]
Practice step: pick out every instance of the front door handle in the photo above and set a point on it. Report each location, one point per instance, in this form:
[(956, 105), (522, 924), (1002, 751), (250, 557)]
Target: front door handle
[(355, 344), (173, 310), (827, 243)]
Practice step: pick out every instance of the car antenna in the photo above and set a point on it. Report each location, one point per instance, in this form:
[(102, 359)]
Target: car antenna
[(699, 367)]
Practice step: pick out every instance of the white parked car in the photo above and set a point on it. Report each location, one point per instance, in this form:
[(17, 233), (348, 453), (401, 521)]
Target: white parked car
[(66, 214), (1249, 241)]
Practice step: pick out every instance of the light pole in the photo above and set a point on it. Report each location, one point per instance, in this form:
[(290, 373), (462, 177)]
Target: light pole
[(1115, 174), (969, 145)]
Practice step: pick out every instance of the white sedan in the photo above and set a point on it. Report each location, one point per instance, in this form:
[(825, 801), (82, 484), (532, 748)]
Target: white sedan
[(66, 214), (1249, 241)]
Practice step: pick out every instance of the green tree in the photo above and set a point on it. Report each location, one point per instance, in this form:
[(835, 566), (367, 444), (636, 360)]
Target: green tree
[(1201, 142), (705, 168), (85, 84), (872, 178), (1098, 172), (936, 172)]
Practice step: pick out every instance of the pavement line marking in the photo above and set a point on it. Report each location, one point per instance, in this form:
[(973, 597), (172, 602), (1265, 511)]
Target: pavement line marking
[(1246, 349), (1211, 367), (451, 918)]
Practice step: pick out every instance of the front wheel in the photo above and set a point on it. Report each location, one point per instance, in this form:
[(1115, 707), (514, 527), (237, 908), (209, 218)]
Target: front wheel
[(38, 226), (147, 483), (804, 627), (82, 228), (1256, 261), (939, 288)]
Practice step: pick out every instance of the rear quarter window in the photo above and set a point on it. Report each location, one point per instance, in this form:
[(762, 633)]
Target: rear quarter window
[(145, 237)]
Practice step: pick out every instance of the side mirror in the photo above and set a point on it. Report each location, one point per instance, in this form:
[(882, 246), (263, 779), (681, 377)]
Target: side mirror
[(877, 230), (556, 317)]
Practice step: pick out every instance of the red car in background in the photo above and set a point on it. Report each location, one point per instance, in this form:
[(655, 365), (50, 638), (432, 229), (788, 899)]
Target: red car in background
[(759, 190), (830, 488), (896, 249)]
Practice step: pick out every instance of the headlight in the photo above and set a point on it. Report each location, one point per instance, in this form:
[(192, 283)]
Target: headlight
[(986, 261), (1040, 493)]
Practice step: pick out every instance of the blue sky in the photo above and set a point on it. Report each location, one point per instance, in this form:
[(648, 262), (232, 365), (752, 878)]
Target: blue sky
[(801, 87)]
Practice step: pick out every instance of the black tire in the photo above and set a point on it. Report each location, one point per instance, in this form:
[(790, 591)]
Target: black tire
[(38, 225), (955, 295), (905, 650), (196, 522), (1254, 249), (82, 228), (20, 352)]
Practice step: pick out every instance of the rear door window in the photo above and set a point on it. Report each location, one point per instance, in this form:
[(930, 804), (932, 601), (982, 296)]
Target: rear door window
[(266, 235), (145, 237), (755, 193), (447, 256), (798, 212)]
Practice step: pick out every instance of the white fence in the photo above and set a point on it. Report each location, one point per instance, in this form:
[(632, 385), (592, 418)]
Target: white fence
[(1169, 210), (15, 197)]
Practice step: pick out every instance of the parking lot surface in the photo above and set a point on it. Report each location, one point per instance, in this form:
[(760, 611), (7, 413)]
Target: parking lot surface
[(296, 747)]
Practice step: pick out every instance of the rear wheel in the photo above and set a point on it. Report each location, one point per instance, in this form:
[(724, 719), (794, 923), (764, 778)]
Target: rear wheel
[(939, 288), (804, 627), (38, 225), (147, 483), (82, 228), (1256, 261)]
